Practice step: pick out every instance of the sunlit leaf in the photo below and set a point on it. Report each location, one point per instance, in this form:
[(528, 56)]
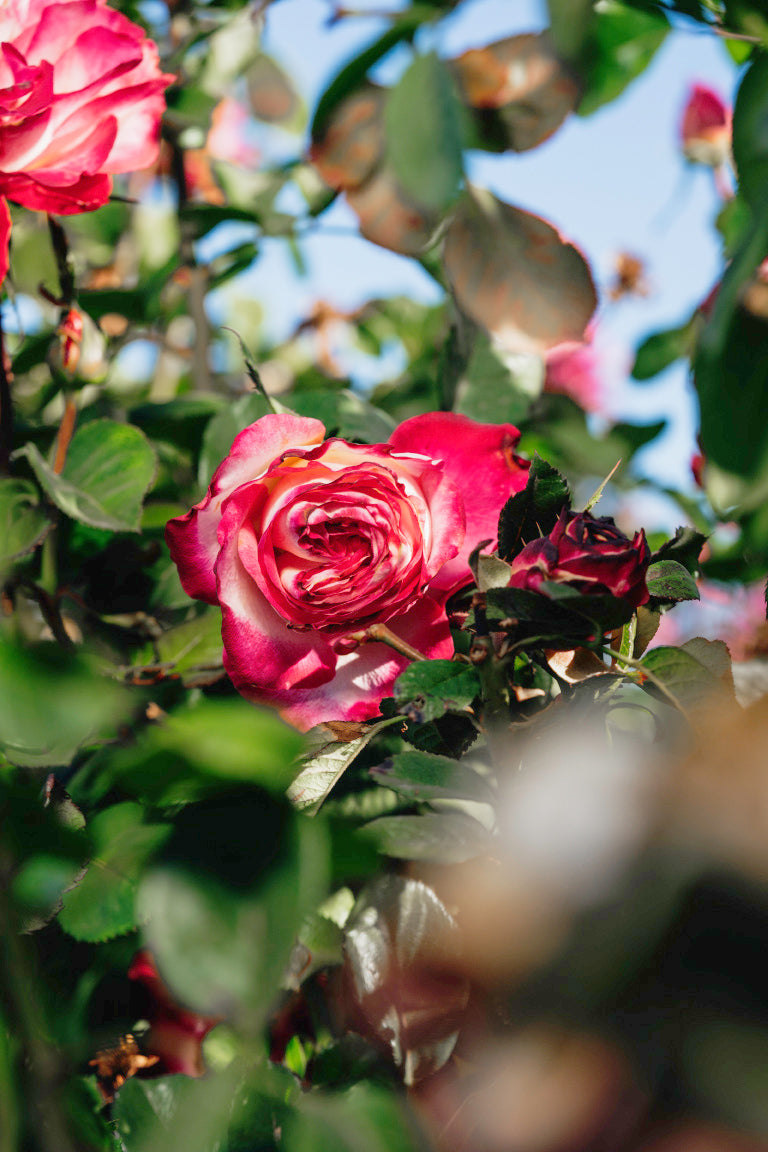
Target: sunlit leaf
[(326, 762), (429, 688), (670, 581), (23, 523), (515, 275), (422, 776), (621, 44), (108, 469)]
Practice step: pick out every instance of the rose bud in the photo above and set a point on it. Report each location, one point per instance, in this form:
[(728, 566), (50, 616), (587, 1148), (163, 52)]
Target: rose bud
[(81, 96), (705, 130), (590, 554), (311, 546), (175, 1034)]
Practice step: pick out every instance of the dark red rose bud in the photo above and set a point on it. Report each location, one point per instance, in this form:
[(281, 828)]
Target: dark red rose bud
[(175, 1034), (591, 554)]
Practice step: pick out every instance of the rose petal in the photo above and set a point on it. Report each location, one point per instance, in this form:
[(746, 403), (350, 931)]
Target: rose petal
[(481, 461), (364, 677), (192, 538), (5, 237)]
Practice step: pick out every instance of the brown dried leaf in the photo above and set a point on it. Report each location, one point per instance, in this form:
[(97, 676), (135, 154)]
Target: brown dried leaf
[(576, 665), (389, 218), (515, 275), (352, 145), (522, 78)]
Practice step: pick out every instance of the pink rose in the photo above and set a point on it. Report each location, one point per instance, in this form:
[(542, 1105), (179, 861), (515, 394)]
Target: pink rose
[(304, 541), (81, 95), (705, 131), (590, 554)]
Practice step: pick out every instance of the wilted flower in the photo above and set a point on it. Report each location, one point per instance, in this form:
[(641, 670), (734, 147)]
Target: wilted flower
[(590, 554)]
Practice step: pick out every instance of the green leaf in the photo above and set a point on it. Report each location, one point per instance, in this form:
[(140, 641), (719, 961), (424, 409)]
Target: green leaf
[(442, 838), (688, 677), (558, 612), (107, 472), (430, 688), (102, 904), (51, 704), (422, 776), (661, 349), (344, 414), (496, 388), (670, 581), (23, 523), (620, 47), (570, 25), (422, 119), (352, 75), (684, 547), (534, 511), (750, 132), (225, 900), (207, 748), (324, 765), (730, 367), (365, 1118), (193, 650)]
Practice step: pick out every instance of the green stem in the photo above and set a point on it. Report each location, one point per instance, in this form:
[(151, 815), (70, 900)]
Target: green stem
[(648, 675)]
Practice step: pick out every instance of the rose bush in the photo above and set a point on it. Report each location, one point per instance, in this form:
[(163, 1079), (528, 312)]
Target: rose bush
[(590, 554), (305, 541), (81, 95)]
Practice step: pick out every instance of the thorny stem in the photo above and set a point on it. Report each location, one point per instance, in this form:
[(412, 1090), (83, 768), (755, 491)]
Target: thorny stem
[(198, 276), (381, 634)]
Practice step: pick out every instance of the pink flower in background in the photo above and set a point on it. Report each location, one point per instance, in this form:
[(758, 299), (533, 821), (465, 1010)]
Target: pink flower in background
[(228, 135), (175, 1034), (81, 95), (305, 541), (705, 130), (573, 369)]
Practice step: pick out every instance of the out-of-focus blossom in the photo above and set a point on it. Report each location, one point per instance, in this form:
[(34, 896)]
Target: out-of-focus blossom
[(175, 1034), (228, 135), (81, 95), (705, 129), (574, 369)]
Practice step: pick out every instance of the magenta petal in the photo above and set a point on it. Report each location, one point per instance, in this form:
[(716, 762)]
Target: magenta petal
[(5, 236), (480, 459), (364, 677), (259, 445), (194, 548)]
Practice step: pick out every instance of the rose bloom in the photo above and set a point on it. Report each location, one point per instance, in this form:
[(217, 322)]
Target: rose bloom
[(81, 95), (590, 554), (175, 1034), (705, 130), (304, 541)]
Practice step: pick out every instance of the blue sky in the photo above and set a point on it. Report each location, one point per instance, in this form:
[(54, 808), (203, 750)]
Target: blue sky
[(612, 182)]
